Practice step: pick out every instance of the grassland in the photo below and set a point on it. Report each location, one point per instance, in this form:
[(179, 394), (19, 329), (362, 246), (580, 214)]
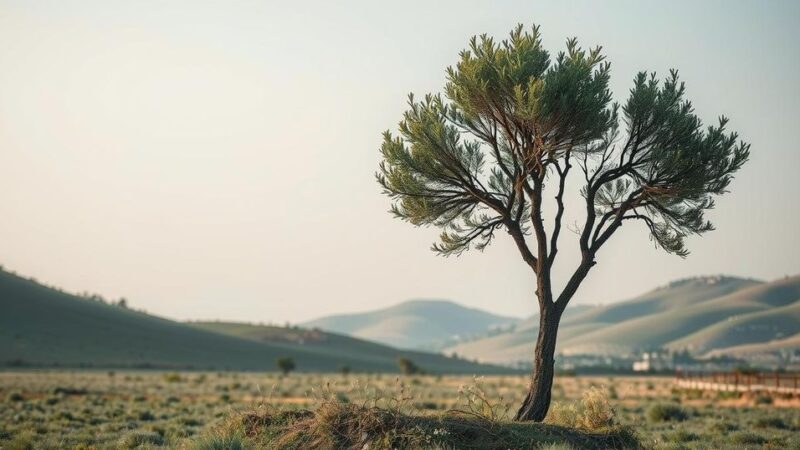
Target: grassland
[(147, 409)]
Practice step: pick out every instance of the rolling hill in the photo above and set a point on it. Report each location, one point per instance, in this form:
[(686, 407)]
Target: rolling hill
[(415, 324), (746, 329), (41, 326), (699, 314), (759, 350)]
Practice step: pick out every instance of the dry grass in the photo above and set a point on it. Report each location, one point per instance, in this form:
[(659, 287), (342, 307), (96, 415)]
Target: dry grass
[(593, 412), (97, 409), (337, 425)]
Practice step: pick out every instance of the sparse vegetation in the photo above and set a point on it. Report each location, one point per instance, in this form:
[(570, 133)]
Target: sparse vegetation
[(666, 412), (593, 412), (334, 424), (206, 411)]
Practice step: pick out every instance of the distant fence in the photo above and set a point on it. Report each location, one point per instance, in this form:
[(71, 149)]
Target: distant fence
[(781, 383)]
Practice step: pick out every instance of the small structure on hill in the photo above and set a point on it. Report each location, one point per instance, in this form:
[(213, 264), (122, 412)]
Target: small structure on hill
[(654, 361)]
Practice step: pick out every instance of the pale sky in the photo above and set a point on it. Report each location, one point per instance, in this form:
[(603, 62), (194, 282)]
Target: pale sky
[(216, 159)]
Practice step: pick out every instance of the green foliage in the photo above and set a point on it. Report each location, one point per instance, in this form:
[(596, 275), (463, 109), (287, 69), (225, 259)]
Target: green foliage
[(285, 365), (666, 412), (475, 159)]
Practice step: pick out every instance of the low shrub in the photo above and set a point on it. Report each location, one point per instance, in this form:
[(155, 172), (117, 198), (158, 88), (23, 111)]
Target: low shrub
[(747, 438), (666, 412), (21, 441), (770, 422), (723, 427), (592, 412), (69, 391), (173, 377), (139, 438), (680, 436), (146, 416), (763, 400)]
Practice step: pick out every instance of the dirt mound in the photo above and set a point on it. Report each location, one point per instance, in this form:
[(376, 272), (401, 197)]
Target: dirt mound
[(338, 425)]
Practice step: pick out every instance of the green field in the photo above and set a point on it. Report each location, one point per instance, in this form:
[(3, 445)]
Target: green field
[(148, 409)]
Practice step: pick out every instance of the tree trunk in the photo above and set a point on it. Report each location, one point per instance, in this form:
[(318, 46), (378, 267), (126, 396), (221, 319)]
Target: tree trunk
[(537, 401)]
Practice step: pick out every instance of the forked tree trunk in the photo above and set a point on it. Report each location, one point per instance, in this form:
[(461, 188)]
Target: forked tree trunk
[(537, 401)]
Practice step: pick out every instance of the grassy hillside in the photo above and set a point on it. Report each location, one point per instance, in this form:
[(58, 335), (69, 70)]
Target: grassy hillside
[(41, 326), (791, 343), (336, 346), (659, 329), (429, 324), (678, 294), (753, 328), (700, 314)]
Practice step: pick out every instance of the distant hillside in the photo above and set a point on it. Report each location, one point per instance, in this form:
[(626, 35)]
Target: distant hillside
[(337, 346), (40, 326), (759, 350), (753, 328), (515, 345), (416, 324), (698, 314), (661, 328)]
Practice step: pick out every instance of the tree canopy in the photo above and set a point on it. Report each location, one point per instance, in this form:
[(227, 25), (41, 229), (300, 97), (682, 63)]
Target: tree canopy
[(476, 158)]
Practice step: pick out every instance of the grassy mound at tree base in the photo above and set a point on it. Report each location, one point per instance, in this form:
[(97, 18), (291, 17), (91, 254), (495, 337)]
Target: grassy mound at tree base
[(336, 425)]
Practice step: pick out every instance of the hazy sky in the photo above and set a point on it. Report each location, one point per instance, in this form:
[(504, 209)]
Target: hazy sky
[(217, 159)]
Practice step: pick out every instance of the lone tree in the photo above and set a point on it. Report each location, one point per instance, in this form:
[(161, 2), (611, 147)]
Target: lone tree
[(285, 365), (513, 125)]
